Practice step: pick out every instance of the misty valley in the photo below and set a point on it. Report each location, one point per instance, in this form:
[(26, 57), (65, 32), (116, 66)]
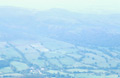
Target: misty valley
[(58, 44)]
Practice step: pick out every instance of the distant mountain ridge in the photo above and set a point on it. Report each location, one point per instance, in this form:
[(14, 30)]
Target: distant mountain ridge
[(75, 28)]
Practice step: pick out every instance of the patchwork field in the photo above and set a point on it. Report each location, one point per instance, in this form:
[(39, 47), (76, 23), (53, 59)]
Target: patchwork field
[(51, 58)]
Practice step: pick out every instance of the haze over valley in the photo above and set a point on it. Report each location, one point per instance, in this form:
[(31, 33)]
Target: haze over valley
[(58, 43)]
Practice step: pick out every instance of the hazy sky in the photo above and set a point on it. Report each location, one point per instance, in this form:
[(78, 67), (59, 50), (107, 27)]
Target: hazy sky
[(73, 5)]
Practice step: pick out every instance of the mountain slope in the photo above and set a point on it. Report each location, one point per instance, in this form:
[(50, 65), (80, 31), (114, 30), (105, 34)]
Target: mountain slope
[(90, 29)]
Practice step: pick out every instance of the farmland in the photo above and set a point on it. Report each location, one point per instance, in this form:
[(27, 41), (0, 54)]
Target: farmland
[(52, 58)]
